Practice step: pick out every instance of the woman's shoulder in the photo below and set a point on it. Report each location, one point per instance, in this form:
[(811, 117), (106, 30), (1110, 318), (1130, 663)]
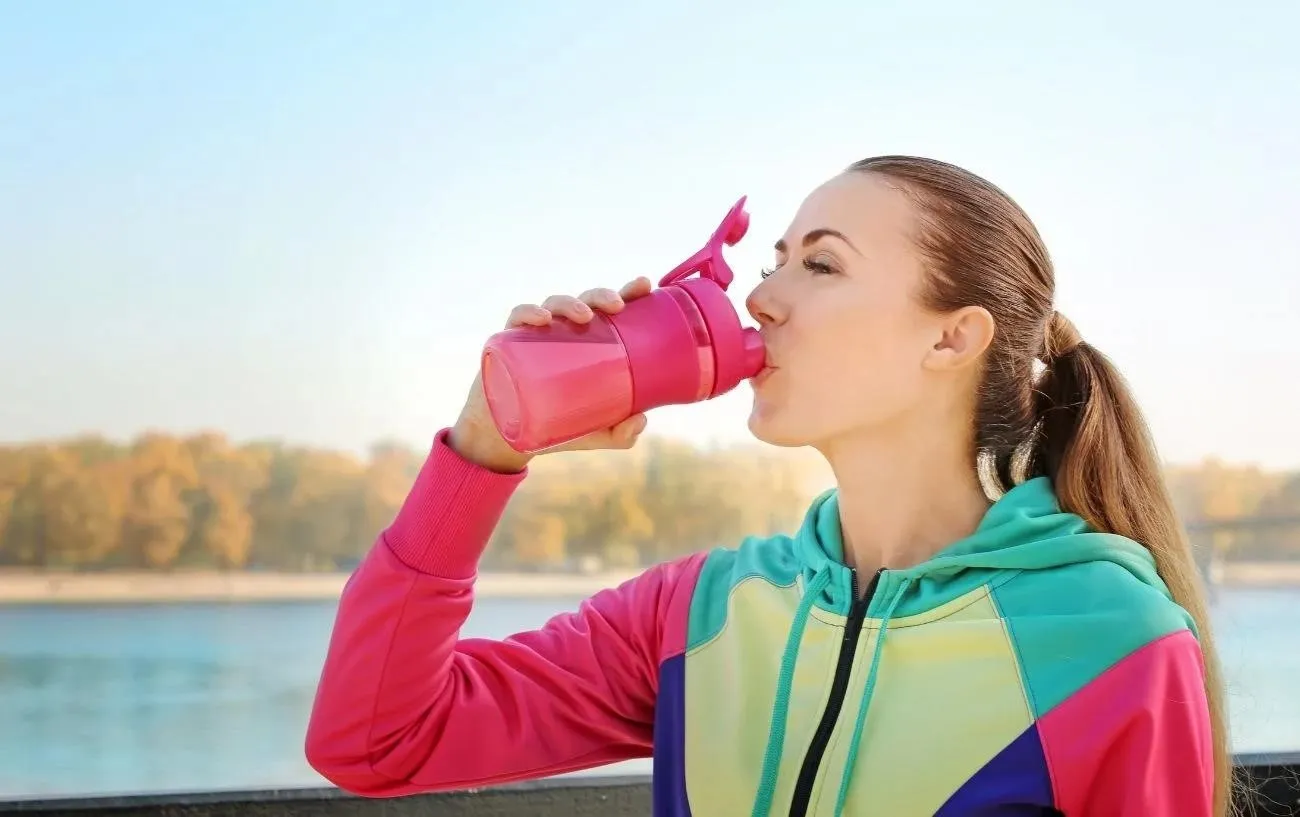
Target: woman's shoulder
[(1075, 624), (1099, 590)]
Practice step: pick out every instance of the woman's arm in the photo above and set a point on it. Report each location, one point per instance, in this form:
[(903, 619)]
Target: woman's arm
[(404, 705)]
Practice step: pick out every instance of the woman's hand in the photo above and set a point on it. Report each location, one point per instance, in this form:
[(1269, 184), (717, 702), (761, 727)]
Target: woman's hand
[(475, 436)]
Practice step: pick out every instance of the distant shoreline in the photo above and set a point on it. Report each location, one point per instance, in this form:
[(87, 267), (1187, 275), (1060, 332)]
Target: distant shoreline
[(1258, 574), (30, 588)]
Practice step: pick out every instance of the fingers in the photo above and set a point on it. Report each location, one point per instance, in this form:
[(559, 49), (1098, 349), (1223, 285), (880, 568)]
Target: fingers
[(623, 435), (579, 309), (528, 315), (566, 306), (638, 288), (563, 306), (609, 301), (606, 300)]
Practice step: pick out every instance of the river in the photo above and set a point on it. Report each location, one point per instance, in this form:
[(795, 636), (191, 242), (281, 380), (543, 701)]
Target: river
[(184, 697)]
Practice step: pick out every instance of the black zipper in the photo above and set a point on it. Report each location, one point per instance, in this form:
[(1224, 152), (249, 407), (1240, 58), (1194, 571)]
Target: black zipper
[(839, 685)]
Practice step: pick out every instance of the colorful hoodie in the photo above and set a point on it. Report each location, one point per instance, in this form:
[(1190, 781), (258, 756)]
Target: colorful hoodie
[(1034, 667)]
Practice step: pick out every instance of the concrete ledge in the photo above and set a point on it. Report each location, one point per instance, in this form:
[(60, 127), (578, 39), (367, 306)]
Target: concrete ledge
[(1274, 791), (561, 797)]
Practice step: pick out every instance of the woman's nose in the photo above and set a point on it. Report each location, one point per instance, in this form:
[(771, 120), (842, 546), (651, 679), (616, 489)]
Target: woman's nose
[(762, 304)]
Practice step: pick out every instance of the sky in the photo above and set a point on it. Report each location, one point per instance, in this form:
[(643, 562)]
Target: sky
[(302, 219)]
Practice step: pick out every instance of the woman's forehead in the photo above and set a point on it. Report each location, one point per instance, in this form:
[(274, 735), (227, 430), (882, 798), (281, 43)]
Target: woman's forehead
[(866, 208)]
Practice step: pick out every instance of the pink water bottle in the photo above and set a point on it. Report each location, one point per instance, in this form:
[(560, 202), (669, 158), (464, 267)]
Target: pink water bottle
[(682, 343)]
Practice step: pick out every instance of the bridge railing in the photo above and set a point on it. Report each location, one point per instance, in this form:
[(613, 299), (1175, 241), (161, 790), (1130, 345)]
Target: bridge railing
[(1273, 792)]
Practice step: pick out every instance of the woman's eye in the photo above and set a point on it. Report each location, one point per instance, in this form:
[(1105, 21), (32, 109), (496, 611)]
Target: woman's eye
[(815, 267)]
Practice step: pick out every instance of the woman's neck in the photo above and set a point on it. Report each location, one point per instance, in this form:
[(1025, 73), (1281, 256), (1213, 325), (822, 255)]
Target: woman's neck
[(904, 495)]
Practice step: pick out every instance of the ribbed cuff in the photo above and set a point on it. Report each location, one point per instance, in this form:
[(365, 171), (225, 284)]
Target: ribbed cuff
[(448, 517)]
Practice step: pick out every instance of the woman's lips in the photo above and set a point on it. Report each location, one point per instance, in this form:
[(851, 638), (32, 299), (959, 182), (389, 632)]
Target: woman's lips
[(763, 375)]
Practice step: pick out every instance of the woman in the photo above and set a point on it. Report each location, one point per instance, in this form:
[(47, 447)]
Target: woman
[(995, 612)]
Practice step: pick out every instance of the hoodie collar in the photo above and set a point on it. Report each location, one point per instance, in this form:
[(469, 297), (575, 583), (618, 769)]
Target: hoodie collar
[(1024, 530)]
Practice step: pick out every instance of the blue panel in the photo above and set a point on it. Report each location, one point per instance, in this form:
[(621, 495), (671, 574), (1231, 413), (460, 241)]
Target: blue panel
[(669, 785), (1015, 783)]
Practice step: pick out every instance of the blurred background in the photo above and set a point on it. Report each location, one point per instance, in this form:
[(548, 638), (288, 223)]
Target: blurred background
[(249, 253)]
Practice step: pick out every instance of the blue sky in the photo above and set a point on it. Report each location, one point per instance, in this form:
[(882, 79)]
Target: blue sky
[(301, 219)]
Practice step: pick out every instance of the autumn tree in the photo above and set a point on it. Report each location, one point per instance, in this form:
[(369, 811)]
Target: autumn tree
[(205, 502)]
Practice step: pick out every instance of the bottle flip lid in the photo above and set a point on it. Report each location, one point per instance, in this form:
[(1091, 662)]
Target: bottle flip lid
[(708, 262)]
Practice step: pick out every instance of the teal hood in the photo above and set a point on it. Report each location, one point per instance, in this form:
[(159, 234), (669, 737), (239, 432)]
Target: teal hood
[(1024, 530)]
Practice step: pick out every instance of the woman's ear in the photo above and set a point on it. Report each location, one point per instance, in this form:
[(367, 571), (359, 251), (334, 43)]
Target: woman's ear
[(964, 335)]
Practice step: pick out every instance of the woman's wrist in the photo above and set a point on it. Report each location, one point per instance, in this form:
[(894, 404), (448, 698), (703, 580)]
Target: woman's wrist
[(485, 448)]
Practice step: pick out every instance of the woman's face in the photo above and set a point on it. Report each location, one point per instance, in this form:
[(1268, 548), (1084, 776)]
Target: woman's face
[(850, 347)]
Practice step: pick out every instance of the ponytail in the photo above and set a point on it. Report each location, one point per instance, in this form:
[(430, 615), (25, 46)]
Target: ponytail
[(1099, 455)]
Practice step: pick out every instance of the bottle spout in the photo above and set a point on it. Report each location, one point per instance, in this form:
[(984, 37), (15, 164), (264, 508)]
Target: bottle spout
[(755, 352)]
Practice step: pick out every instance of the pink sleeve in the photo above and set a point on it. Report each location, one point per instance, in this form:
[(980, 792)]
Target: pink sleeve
[(1136, 741), (404, 705)]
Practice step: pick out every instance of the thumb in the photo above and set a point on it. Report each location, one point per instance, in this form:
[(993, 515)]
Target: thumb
[(622, 435), (625, 434)]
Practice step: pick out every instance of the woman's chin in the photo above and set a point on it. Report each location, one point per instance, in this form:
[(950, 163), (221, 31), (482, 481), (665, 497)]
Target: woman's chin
[(765, 424)]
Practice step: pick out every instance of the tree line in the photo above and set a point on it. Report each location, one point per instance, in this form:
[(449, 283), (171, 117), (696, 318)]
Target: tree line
[(165, 502)]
